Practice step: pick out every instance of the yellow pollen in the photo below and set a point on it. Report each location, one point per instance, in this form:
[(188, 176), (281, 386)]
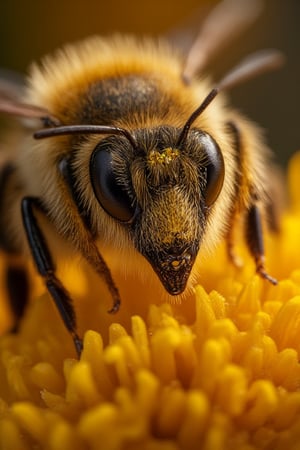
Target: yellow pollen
[(164, 157)]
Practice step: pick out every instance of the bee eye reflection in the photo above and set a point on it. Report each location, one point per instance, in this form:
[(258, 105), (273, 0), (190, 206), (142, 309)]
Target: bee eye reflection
[(111, 195), (215, 170)]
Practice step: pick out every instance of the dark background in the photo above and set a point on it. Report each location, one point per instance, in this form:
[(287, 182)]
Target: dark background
[(29, 29)]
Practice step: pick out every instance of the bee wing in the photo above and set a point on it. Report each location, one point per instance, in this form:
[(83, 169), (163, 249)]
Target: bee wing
[(182, 36), (11, 84), (11, 91), (19, 109), (224, 23)]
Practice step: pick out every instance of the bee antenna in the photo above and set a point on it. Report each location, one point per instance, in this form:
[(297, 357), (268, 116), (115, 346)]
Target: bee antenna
[(85, 129), (208, 99), (253, 65)]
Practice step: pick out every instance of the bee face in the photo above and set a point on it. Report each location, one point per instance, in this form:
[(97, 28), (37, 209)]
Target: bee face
[(162, 193)]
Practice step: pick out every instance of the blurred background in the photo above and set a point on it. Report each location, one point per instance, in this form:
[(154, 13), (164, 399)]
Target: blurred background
[(29, 29)]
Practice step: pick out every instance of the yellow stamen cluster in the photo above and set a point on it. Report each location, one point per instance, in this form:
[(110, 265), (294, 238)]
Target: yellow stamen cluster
[(221, 373)]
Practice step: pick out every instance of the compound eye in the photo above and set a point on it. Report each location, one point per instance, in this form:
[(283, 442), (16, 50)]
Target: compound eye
[(215, 170), (112, 196)]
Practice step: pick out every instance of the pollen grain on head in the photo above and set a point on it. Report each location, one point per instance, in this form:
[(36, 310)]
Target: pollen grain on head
[(164, 157)]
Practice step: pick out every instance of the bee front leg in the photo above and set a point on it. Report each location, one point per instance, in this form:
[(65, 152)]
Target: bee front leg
[(16, 277), (46, 268), (254, 238)]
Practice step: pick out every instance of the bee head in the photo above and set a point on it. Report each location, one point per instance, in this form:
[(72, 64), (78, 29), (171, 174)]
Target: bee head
[(162, 192)]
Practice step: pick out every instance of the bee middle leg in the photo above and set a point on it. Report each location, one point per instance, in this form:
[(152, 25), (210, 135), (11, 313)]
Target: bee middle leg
[(234, 258), (46, 268), (253, 219), (254, 238), (235, 215)]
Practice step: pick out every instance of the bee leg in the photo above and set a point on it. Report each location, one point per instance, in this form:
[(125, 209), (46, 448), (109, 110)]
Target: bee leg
[(15, 276), (273, 217), (233, 129), (254, 237), (46, 268), (234, 258), (93, 257), (17, 285)]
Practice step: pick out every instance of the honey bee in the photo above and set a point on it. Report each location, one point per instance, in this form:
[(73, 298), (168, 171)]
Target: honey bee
[(124, 147)]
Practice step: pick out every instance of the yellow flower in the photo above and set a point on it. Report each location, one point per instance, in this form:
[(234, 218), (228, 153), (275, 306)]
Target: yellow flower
[(220, 371)]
